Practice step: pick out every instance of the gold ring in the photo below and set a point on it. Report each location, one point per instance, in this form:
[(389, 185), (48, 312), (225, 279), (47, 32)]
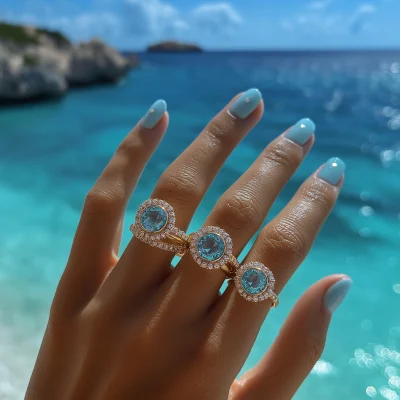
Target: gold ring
[(255, 282), (211, 248), (155, 225)]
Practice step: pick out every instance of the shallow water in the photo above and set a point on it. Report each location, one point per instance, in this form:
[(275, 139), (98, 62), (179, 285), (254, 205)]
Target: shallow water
[(50, 154)]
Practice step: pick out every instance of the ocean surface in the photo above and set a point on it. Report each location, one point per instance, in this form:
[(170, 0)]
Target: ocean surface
[(51, 153)]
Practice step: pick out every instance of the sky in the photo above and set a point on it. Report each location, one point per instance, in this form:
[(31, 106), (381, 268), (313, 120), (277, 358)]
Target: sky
[(234, 24)]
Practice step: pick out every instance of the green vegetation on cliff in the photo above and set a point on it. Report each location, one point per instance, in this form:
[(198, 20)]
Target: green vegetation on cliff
[(21, 35)]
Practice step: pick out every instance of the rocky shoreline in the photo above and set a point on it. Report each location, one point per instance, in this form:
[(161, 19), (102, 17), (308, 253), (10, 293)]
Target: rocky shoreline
[(37, 64)]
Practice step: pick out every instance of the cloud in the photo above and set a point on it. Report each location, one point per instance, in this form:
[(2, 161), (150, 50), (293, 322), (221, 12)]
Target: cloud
[(312, 23), (361, 17), (319, 5), (217, 18), (148, 17), (287, 25), (366, 9), (320, 20), (85, 26), (146, 20)]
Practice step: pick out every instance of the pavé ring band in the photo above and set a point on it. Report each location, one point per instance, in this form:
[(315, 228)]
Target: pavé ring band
[(255, 282), (211, 248), (155, 225)]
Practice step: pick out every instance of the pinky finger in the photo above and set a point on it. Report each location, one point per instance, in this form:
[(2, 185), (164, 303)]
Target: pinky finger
[(298, 347)]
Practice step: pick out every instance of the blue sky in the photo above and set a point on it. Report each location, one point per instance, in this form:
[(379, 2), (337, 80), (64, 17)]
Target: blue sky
[(234, 24)]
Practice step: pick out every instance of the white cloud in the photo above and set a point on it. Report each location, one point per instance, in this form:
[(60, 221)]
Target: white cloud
[(313, 23), (361, 17), (143, 19), (85, 26), (319, 5), (320, 20), (148, 17), (287, 25), (366, 9), (217, 18)]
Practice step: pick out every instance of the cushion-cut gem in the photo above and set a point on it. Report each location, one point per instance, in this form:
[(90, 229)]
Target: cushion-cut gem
[(254, 281), (211, 247), (154, 219)]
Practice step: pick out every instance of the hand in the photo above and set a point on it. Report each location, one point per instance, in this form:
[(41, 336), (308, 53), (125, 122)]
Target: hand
[(134, 328)]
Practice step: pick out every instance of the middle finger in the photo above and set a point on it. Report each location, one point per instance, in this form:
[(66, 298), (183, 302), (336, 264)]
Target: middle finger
[(243, 208)]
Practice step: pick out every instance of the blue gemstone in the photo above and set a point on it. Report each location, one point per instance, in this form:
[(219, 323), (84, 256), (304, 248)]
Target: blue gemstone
[(254, 281), (211, 247), (154, 219)]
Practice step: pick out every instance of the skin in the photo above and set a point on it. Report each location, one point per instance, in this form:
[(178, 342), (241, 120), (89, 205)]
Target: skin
[(134, 328)]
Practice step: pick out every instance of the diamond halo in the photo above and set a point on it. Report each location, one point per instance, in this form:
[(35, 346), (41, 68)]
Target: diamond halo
[(208, 258), (266, 293), (165, 229)]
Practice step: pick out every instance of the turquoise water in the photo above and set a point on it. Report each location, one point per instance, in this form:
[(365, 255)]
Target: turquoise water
[(50, 154)]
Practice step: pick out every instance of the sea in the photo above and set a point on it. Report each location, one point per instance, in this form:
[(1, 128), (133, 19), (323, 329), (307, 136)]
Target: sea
[(51, 153)]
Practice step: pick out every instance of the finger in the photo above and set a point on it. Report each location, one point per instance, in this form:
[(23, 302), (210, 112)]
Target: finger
[(94, 250), (184, 184), (281, 246), (299, 345), (244, 206)]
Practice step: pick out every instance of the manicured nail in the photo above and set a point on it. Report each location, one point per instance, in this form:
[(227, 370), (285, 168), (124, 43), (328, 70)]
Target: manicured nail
[(332, 171), (246, 103), (336, 294), (154, 115), (301, 132)]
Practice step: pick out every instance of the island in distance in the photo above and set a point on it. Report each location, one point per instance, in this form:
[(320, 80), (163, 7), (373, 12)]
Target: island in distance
[(174, 47)]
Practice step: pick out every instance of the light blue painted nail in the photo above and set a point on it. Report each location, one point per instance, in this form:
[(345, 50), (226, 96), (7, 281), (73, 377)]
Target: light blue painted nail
[(154, 115), (302, 131), (246, 103), (332, 171), (336, 294)]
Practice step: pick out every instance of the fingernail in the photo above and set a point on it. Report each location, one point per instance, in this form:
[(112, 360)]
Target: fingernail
[(246, 103), (301, 132), (332, 171), (336, 294), (154, 115)]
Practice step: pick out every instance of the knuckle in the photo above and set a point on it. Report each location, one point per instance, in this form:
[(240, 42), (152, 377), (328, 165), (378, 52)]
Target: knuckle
[(96, 317), (239, 212), (130, 147), (321, 196), (283, 156), (102, 201), (180, 186), (314, 347), (219, 129), (285, 242), (238, 391)]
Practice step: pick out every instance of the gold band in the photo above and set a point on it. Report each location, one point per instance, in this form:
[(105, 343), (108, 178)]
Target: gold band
[(155, 225), (176, 242)]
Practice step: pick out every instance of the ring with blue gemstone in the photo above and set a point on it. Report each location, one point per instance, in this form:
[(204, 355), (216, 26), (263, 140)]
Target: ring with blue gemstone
[(211, 248), (155, 225), (255, 282)]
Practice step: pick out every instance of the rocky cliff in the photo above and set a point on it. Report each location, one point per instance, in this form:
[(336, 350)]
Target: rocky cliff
[(37, 63)]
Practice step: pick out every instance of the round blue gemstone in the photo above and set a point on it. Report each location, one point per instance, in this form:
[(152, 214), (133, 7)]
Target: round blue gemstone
[(154, 219), (211, 247), (254, 281)]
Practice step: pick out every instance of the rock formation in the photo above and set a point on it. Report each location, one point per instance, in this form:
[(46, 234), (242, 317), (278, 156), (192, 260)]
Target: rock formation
[(37, 63)]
